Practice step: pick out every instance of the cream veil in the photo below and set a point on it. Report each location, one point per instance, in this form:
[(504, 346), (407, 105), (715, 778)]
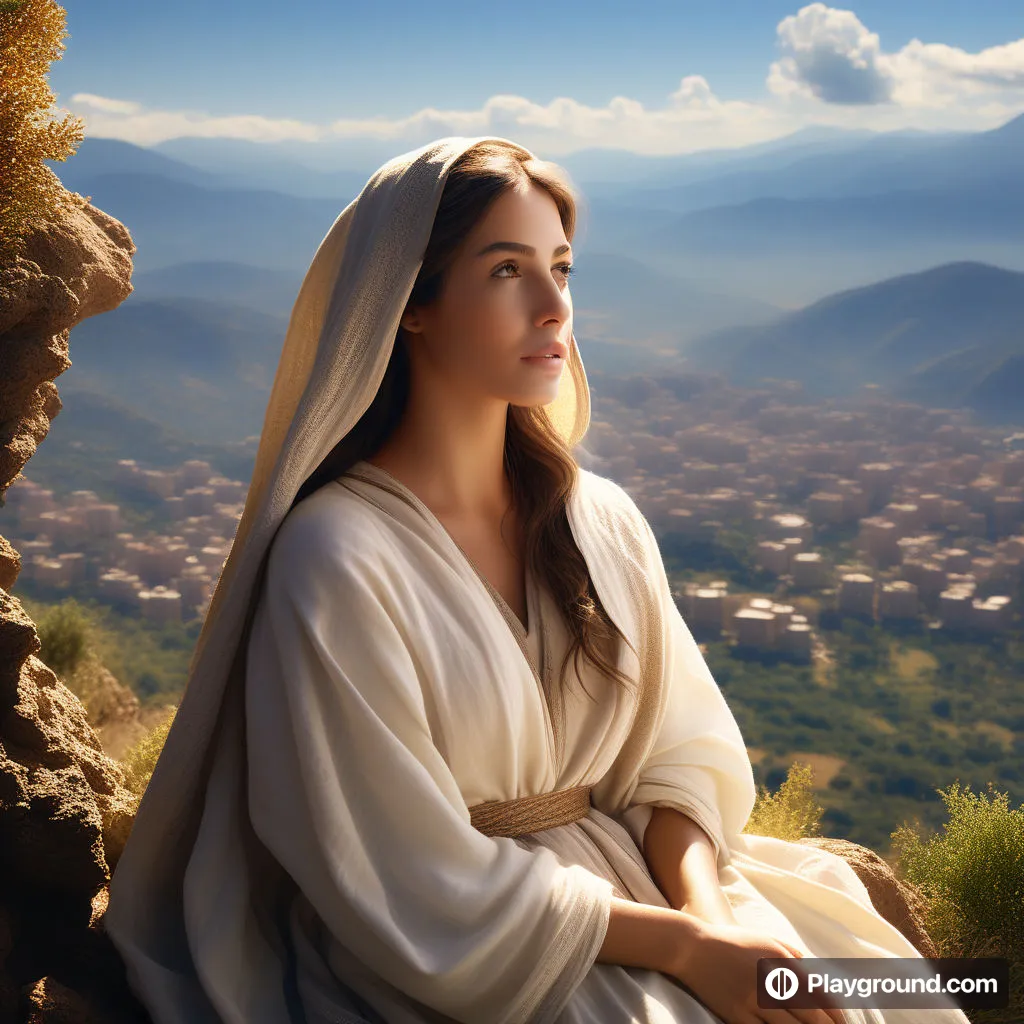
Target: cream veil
[(338, 343)]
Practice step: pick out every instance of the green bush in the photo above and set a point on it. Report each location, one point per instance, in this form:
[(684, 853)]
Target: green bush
[(151, 660), (972, 874), (139, 761), (64, 634), (790, 813)]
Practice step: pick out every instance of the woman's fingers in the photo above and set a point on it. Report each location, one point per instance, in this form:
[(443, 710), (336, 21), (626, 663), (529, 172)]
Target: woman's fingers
[(828, 1014)]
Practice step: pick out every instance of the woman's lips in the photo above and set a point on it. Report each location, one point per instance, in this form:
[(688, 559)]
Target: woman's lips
[(550, 363)]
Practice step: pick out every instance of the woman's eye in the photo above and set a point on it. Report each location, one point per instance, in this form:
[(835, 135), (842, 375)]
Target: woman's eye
[(565, 268)]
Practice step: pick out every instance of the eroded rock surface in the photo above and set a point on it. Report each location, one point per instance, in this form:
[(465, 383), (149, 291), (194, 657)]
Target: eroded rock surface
[(65, 812)]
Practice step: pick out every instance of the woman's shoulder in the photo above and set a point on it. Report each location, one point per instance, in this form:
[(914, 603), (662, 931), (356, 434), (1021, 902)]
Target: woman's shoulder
[(330, 529), (609, 501)]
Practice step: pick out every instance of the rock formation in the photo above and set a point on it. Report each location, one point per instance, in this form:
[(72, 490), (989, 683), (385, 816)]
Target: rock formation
[(64, 810)]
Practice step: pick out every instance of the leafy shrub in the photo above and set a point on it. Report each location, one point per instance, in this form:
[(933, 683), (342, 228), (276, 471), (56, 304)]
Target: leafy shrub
[(135, 651), (790, 813), (972, 875), (139, 761), (31, 34), (64, 634)]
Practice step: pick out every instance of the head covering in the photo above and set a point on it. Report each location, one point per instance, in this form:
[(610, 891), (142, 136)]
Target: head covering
[(336, 350)]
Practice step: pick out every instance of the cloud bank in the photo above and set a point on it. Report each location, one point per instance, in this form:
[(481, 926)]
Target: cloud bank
[(831, 71)]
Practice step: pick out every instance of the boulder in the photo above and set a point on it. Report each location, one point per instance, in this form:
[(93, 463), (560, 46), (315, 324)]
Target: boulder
[(900, 902)]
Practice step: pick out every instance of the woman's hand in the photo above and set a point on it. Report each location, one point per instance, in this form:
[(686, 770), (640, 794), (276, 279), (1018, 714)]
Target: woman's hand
[(719, 911), (718, 964)]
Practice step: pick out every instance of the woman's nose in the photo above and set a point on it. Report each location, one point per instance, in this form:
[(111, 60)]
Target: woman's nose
[(557, 303)]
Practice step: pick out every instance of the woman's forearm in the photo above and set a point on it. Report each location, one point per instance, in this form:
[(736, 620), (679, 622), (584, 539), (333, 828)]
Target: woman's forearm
[(681, 858), (641, 935)]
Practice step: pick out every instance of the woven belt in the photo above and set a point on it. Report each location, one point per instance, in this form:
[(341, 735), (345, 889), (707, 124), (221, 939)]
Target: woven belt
[(513, 818)]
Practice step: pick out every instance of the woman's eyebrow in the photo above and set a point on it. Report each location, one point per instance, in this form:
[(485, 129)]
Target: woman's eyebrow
[(527, 250)]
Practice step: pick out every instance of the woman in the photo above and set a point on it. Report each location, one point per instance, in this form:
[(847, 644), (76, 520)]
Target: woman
[(446, 738)]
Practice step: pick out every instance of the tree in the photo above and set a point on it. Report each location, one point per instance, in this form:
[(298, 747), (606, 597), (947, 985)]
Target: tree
[(31, 34)]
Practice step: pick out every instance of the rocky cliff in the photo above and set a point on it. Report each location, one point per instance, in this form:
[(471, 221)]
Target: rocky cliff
[(64, 810)]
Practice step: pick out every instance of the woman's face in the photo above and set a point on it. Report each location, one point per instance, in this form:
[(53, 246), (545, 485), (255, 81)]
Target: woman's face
[(500, 305)]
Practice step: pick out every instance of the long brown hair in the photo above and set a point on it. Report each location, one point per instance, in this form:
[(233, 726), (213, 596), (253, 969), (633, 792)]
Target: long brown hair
[(540, 466)]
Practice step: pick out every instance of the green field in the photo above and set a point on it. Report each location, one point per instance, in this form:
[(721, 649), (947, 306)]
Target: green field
[(888, 723)]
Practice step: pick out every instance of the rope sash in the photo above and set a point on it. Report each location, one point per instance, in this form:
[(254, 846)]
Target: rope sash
[(513, 818)]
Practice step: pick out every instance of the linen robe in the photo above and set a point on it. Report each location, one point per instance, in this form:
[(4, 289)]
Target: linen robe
[(389, 688)]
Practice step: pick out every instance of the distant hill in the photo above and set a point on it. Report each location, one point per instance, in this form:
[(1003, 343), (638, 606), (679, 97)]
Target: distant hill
[(92, 431), (210, 163), (313, 169), (789, 227), (202, 369), (621, 298), (96, 157), (677, 246), (790, 252), (176, 221), (848, 164), (597, 168), (770, 225), (950, 336), (257, 288)]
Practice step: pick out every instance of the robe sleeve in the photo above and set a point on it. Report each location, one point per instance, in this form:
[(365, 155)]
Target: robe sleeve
[(349, 792), (699, 763)]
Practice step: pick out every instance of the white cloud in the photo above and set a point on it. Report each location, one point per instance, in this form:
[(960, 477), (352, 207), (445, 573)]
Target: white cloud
[(829, 54), (693, 119), (107, 105), (694, 93), (832, 71), (130, 121), (932, 74)]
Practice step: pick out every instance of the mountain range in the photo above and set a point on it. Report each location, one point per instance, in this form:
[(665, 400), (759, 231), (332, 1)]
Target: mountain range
[(202, 369), (748, 250), (752, 222), (950, 336)]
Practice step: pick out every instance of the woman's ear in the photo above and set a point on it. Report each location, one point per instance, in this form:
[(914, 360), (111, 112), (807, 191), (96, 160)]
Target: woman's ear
[(410, 322)]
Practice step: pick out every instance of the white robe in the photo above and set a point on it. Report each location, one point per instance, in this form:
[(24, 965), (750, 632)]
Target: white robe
[(389, 688)]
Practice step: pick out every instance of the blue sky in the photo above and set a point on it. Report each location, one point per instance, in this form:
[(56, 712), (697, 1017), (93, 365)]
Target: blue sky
[(146, 72)]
